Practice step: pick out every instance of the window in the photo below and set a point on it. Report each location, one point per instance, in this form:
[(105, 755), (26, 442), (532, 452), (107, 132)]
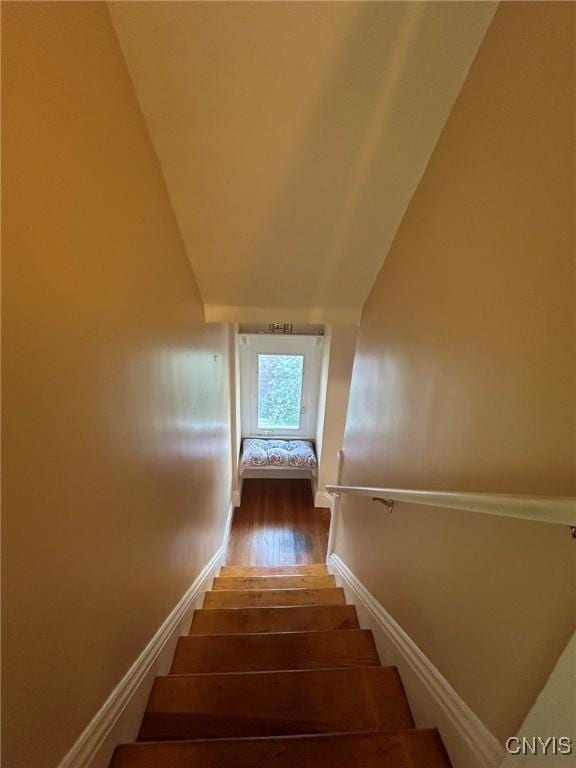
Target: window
[(279, 383), (280, 391)]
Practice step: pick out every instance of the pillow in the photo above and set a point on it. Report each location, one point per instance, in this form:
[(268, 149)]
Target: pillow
[(258, 452)]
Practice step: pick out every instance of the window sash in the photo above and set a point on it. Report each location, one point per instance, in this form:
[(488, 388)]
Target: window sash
[(310, 348)]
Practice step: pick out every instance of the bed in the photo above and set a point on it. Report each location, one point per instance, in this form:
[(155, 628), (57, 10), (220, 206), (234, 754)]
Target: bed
[(269, 457)]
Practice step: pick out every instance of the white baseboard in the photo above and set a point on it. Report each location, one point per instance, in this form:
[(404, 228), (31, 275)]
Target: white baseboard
[(433, 700), (119, 718), (227, 528)]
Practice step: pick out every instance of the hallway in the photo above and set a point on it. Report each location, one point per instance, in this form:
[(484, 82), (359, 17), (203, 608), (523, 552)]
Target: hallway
[(278, 524)]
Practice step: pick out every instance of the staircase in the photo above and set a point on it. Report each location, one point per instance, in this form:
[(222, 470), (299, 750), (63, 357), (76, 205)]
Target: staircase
[(276, 672)]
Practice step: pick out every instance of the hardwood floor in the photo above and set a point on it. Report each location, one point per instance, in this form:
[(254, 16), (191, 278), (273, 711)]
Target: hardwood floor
[(278, 524), (268, 652), (403, 749), (279, 703), (263, 598), (299, 618)]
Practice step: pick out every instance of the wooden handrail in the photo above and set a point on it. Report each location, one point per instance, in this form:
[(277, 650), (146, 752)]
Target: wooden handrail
[(544, 509)]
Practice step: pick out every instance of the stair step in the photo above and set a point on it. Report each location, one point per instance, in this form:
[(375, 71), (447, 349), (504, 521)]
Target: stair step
[(275, 704), (274, 582), (288, 619), (273, 597), (404, 749), (274, 570), (274, 651)]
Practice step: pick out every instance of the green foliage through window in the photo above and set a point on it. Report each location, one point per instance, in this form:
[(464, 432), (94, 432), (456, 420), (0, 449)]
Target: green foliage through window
[(279, 391)]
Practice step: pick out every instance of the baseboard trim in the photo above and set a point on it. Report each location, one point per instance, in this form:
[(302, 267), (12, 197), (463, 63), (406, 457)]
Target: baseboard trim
[(91, 746), (486, 750), (227, 528)]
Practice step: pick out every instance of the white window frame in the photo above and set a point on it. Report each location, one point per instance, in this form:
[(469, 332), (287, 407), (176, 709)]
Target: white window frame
[(251, 345)]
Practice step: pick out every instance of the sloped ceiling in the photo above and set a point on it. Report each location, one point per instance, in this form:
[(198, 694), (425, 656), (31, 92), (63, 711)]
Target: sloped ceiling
[(292, 136)]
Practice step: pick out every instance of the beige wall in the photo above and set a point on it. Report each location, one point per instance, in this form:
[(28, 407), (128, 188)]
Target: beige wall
[(339, 346), (465, 372), (552, 713), (116, 421)]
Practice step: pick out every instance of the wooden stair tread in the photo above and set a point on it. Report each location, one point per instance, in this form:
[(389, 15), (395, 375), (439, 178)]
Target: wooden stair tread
[(284, 619), (274, 651), (274, 570), (276, 704), (246, 583), (403, 749), (273, 597)]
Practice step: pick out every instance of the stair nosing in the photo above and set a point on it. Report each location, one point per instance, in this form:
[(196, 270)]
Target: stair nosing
[(259, 607), (281, 632), (277, 565), (276, 576), (280, 591), (278, 671), (321, 735), (268, 607)]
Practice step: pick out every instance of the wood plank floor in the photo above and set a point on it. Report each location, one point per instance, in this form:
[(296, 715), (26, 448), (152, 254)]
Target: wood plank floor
[(278, 524), (404, 749), (300, 618), (273, 651), (273, 582), (273, 597), (282, 703)]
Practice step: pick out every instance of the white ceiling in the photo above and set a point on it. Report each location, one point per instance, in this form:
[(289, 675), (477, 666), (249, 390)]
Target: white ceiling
[(292, 136)]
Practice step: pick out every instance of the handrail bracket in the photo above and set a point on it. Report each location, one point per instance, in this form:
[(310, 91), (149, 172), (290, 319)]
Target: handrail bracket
[(387, 503)]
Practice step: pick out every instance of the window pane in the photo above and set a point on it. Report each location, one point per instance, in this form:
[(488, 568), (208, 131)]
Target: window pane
[(279, 391)]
